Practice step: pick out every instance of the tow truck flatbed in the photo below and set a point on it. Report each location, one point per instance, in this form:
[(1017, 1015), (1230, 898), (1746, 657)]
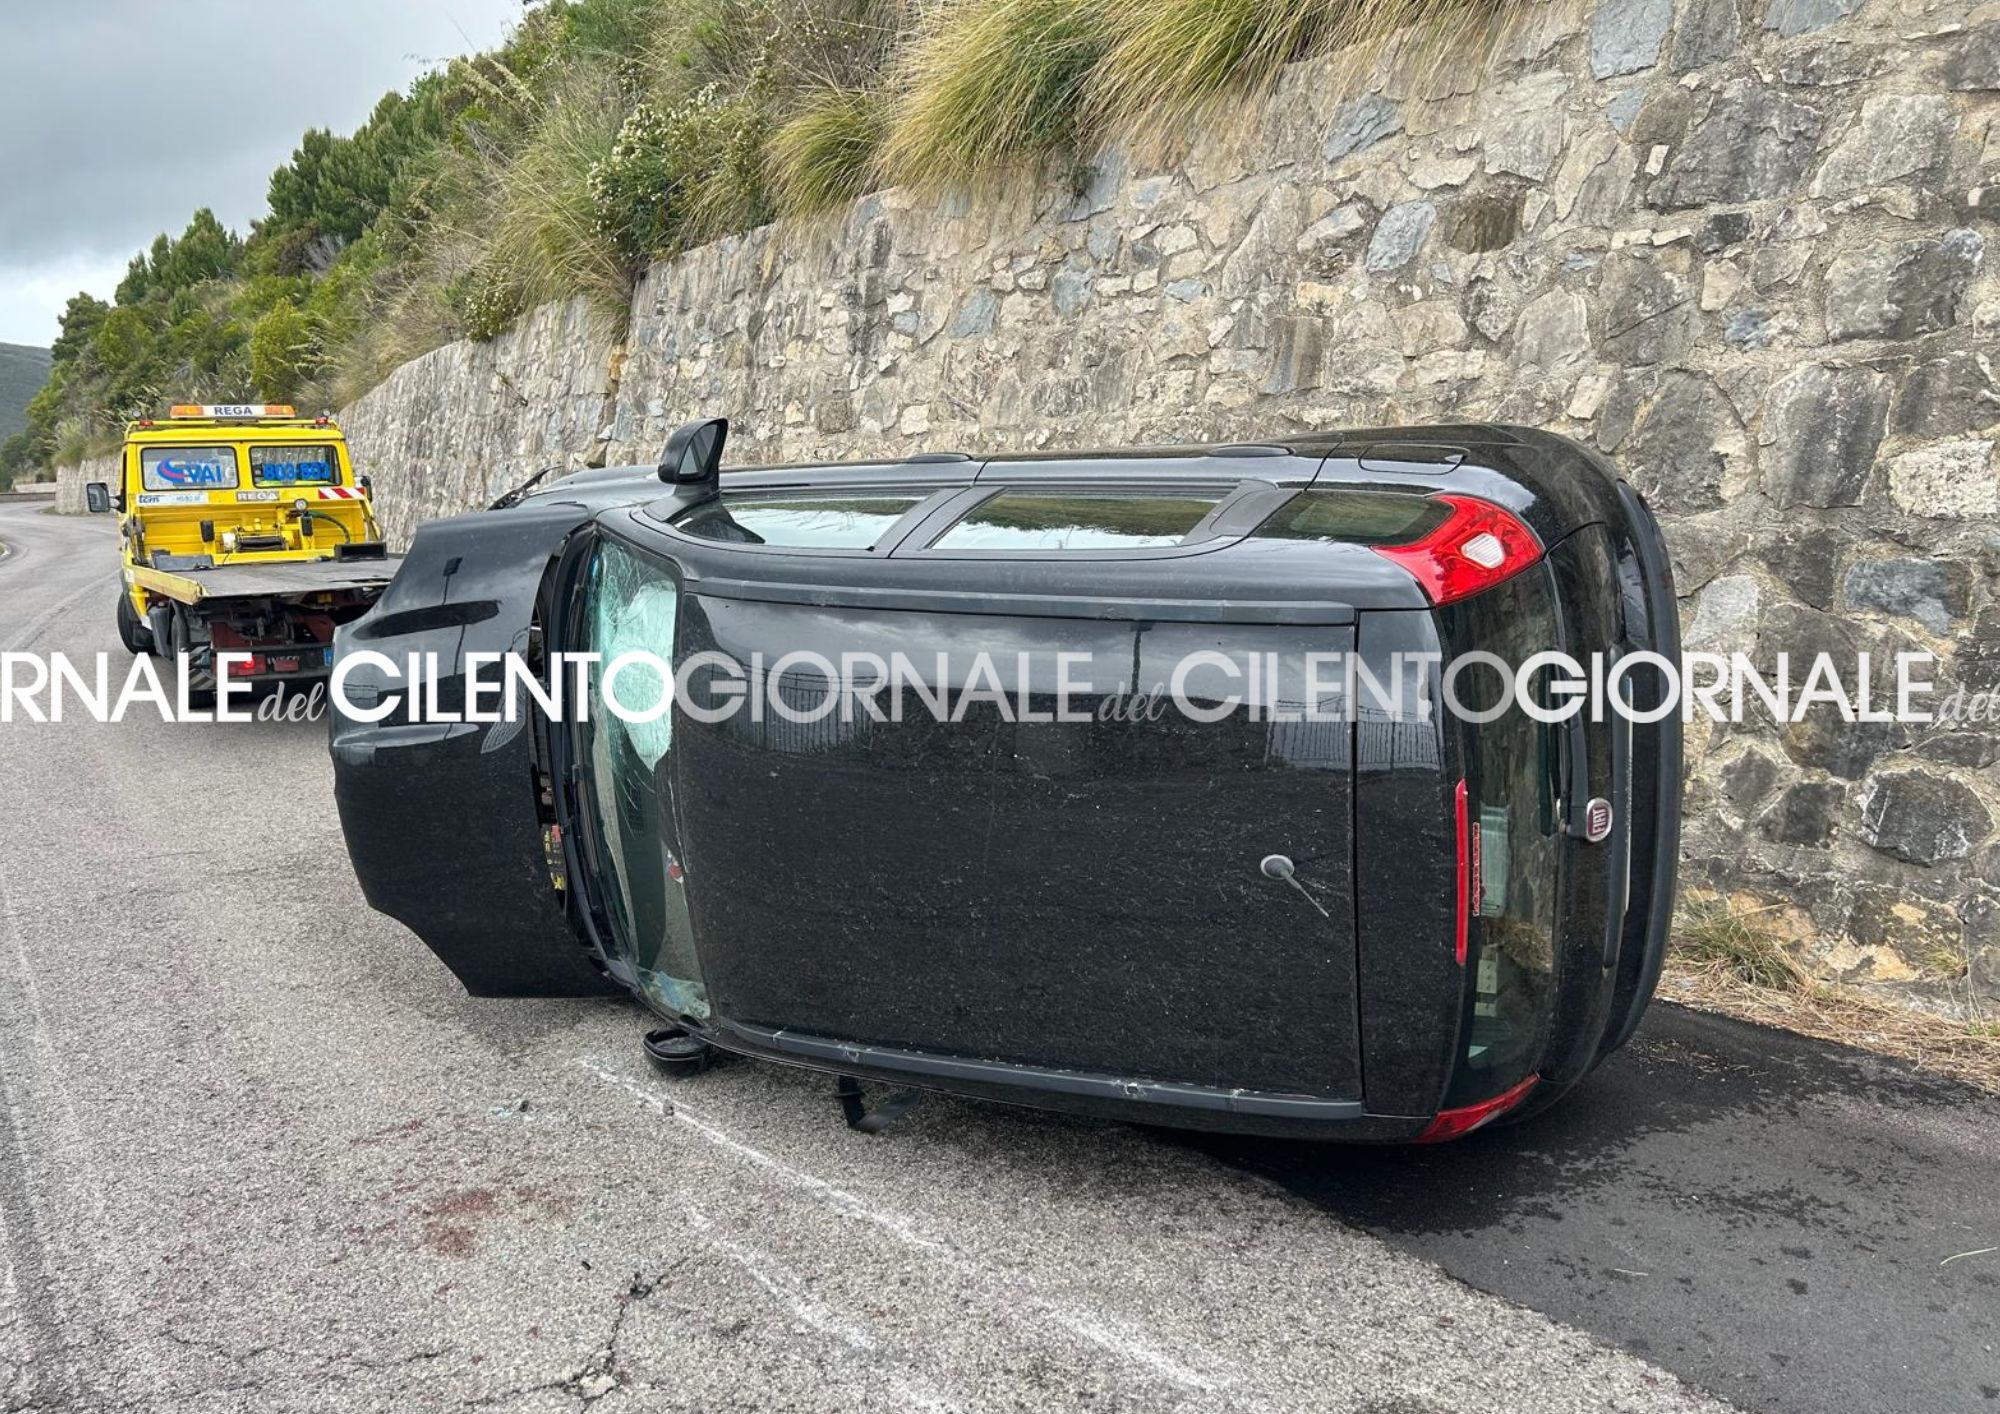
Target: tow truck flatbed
[(255, 581)]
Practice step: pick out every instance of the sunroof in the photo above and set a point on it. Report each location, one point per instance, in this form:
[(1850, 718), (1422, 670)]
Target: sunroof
[(1121, 521)]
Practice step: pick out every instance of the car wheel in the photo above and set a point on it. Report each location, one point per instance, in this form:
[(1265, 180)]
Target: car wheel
[(132, 630)]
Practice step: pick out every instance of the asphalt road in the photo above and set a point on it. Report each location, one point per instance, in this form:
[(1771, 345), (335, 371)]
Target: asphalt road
[(257, 1152)]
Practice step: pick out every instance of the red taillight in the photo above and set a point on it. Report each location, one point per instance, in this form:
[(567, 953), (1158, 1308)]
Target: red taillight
[(247, 667), (1477, 546), (1468, 858), (1451, 1124)]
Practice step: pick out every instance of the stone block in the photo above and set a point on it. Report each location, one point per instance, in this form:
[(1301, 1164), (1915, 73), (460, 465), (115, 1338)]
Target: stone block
[(1754, 144), (1795, 17), (1897, 137), (1946, 481), (1902, 289), (1626, 35), (1922, 817), (1933, 592), (1973, 64), (1399, 235), (1946, 397), (1821, 429), (1361, 124)]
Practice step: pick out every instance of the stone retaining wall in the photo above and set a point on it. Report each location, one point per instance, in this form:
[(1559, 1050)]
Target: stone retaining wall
[(450, 431), (1742, 248), (70, 481)]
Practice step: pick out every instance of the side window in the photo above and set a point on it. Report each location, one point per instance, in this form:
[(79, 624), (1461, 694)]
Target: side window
[(1354, 518), (188, 468), (1033, 521), (856, 522), (294, 466)]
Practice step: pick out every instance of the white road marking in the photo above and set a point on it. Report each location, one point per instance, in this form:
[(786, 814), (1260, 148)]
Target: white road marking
[(1121, 1343)]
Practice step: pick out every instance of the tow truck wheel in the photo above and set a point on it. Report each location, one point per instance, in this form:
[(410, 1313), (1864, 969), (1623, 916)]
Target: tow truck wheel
[(201, 685), (132, 630)]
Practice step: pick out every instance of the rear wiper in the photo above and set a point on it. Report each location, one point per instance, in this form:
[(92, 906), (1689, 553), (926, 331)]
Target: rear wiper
[(514, 497)]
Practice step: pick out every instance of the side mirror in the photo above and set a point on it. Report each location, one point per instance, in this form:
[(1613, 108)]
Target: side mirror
[(694, 452), (367, 484), (97, 498)]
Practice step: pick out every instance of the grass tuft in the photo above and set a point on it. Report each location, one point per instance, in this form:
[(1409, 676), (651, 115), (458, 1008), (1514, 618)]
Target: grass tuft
[(825, 153), (1171, 62), (544, 240), (991, 83), (1741, 944), (1176, 58)]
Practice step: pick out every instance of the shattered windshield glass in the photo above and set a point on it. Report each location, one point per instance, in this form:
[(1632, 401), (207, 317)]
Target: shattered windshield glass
[(632, 607)]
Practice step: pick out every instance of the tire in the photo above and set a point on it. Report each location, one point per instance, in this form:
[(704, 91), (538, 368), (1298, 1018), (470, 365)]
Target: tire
[(198, 696), (132, 630)]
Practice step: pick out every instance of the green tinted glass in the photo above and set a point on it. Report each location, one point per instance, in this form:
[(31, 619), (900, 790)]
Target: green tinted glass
[(1355, 518)]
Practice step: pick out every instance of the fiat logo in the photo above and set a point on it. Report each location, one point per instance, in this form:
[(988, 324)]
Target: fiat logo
[(1597, 820)]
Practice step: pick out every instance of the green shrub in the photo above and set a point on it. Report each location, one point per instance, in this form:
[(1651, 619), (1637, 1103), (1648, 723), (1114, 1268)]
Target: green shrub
[(281, 353), (677, 176), (990, 82), (824, 154)]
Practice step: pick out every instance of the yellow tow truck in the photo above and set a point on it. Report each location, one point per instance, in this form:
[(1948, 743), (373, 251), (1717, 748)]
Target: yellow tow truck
[(244, 530)]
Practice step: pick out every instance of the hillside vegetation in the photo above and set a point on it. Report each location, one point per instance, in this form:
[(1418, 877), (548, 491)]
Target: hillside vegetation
[(23, 370), (608, 133)]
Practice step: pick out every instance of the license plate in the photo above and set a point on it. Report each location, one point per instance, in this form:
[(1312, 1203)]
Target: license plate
[(284, 665)]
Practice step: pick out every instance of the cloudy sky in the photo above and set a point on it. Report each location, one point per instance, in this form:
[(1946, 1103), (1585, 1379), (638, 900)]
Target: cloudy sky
[(119, 117)]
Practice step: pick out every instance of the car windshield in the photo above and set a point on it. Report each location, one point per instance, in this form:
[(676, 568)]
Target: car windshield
[(188, 468), (294, 466), (631, 606)]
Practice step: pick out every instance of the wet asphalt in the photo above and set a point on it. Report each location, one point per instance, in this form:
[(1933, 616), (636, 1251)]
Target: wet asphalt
[(1788, 1224), (258, 1152)]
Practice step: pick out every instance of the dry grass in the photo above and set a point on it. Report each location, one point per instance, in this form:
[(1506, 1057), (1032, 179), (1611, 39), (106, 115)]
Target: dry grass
[(542, 232), (1732, 962), (1172, 65), (825, 153), (1740, 944), (989, 83)]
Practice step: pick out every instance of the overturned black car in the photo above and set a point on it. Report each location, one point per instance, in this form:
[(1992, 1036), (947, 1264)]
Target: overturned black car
[(1187, 786)]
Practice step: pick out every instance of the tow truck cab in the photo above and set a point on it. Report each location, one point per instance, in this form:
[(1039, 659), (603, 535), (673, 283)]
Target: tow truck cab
[(243, 529)]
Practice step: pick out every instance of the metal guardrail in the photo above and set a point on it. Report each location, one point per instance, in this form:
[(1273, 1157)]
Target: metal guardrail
[(27, 497)]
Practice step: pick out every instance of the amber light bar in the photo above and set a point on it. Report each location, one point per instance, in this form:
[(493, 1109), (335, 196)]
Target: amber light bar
[(229, 410)]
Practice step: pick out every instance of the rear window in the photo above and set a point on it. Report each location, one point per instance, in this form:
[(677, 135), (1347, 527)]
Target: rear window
[(188, 468), (294, 466), (1354, 518), (797, 522), (1017, 521)]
